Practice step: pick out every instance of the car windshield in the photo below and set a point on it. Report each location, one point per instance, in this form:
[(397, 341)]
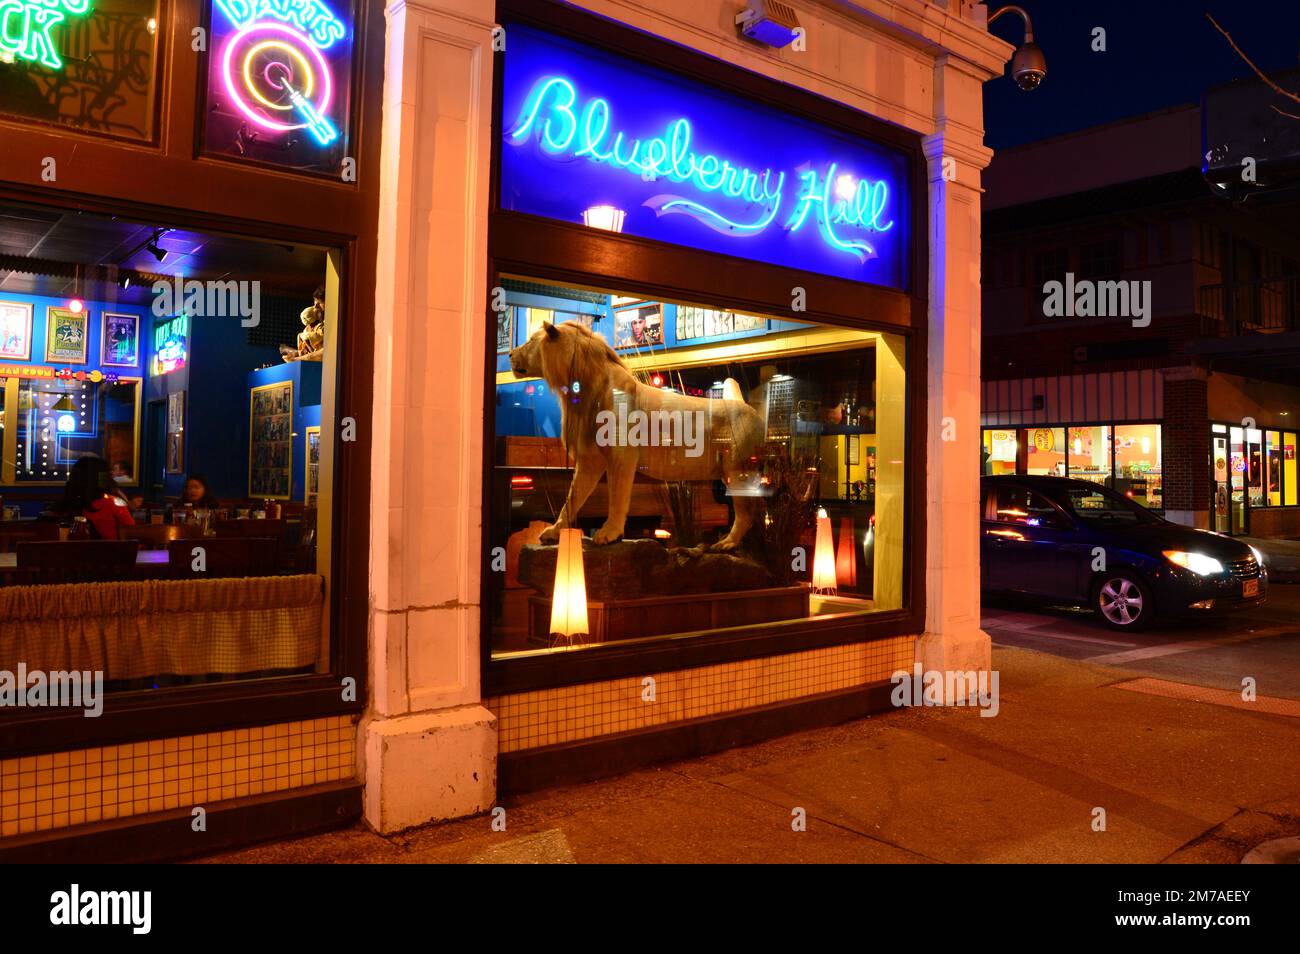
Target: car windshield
[(1102, 507)]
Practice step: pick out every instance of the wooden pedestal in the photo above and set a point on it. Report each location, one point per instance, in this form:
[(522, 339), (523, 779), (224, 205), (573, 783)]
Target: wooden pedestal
[(659, 615)]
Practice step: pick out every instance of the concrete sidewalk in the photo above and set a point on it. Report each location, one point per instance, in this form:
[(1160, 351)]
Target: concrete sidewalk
[(1178, 780)]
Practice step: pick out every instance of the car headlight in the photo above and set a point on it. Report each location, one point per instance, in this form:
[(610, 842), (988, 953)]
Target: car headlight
[(1196, 562), (1259, 557)]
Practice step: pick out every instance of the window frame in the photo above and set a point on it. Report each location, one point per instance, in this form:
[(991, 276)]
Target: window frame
[(164, 66), (525, 245), (1112, 424), (174, 711), (1264, 430)]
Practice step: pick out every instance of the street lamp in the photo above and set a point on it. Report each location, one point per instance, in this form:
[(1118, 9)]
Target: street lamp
[(1028, 65)]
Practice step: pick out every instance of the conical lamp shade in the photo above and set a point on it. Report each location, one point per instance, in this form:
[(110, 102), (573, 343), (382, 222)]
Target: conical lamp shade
[(569, 602), (846, 557), (823, 577), (64, 403)]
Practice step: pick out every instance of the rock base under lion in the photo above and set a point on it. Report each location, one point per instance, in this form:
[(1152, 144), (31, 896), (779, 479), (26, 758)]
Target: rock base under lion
[(639, 588)]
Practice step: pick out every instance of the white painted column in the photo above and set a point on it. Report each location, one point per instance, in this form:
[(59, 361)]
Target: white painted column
[(429, 745), (953, 639)]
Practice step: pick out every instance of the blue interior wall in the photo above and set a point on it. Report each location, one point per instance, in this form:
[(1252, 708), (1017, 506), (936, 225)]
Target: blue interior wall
[(217, 404)]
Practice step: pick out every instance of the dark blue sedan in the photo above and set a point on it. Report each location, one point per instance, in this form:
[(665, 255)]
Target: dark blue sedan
[(1072, 541)]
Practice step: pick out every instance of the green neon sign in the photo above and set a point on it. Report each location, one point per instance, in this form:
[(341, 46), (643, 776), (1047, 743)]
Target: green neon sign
[(25, 28)]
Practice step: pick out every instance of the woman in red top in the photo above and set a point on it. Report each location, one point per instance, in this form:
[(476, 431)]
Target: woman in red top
[(91, 493)]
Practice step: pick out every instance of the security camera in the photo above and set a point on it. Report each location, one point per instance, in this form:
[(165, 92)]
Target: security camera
[(1028, 66)]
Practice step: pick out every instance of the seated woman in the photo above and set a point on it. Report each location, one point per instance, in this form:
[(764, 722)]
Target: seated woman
[(197, 494), (92, 493)]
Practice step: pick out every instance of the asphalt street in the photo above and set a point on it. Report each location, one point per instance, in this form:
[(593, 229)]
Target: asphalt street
[(1217, 652)]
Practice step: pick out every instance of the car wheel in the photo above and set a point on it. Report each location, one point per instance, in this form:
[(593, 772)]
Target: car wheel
[(1122, 601)]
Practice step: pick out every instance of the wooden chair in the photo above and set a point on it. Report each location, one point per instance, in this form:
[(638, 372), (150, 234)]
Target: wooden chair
[(12, 535), (155, 536), (250, 528), (222, 556), (76, 561)]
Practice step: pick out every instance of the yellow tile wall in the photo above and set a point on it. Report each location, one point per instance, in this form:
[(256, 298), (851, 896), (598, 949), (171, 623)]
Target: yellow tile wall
[(550, 716), (61, 789)]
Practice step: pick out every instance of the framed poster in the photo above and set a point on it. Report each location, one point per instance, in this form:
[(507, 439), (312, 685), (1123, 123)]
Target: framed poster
[(65, 335), (505, 330), (176, 432), (855, 450), (311, 483), (119, 345), (15, 331), (270, 440), (639, 327)]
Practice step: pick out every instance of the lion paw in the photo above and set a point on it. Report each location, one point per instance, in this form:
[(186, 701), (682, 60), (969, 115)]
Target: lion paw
[(551, 534), (725, 545), (606, 535)]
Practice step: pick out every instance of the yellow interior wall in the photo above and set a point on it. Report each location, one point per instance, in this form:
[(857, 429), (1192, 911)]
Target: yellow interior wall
[(1288, 468)]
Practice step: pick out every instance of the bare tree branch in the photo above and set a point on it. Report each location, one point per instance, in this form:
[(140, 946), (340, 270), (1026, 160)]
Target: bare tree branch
[(1258, 72)]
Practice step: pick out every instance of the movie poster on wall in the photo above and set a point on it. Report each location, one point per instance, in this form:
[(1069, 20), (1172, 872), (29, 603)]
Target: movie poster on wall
[(15, 331), (505, 330), (65, 336), (270, 441), (640, 327), (311, 482), (119, 345), (176, 432)]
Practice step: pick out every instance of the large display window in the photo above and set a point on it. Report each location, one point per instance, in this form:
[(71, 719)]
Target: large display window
[(1126, 457), (1137, 463), (999, 451), (168, 443), (722, 470), (1089, 453), (1045, 450), (740, 261)]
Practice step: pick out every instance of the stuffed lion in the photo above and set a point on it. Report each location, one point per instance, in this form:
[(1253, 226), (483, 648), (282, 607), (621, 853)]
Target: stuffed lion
[(614, 424)]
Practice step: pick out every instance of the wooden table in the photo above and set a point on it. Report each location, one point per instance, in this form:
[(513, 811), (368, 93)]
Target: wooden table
[(9, 561)]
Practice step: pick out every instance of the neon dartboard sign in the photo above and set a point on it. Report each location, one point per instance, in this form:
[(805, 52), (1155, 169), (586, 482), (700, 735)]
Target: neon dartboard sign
[(279, 82)]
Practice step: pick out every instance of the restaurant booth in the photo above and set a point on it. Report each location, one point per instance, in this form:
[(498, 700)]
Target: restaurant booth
[(682, 312), (188, 212)]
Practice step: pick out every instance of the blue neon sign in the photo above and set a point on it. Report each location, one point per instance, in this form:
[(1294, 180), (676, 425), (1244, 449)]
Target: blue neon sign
[(692, 166)]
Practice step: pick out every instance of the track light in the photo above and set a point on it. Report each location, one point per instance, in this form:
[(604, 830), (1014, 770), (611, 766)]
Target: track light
[(152, 245)]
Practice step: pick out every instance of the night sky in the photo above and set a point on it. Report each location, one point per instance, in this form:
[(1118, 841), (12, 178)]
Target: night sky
[(1159, 53)]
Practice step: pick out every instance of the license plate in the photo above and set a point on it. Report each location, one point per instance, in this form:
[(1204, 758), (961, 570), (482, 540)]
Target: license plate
[(1249, 588)]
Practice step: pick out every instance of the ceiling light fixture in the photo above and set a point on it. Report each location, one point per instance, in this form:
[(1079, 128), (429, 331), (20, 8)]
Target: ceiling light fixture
[(604, 217)]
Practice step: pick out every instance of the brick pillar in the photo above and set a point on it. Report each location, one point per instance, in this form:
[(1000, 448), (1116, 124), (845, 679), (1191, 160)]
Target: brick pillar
[(1185, 445)]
